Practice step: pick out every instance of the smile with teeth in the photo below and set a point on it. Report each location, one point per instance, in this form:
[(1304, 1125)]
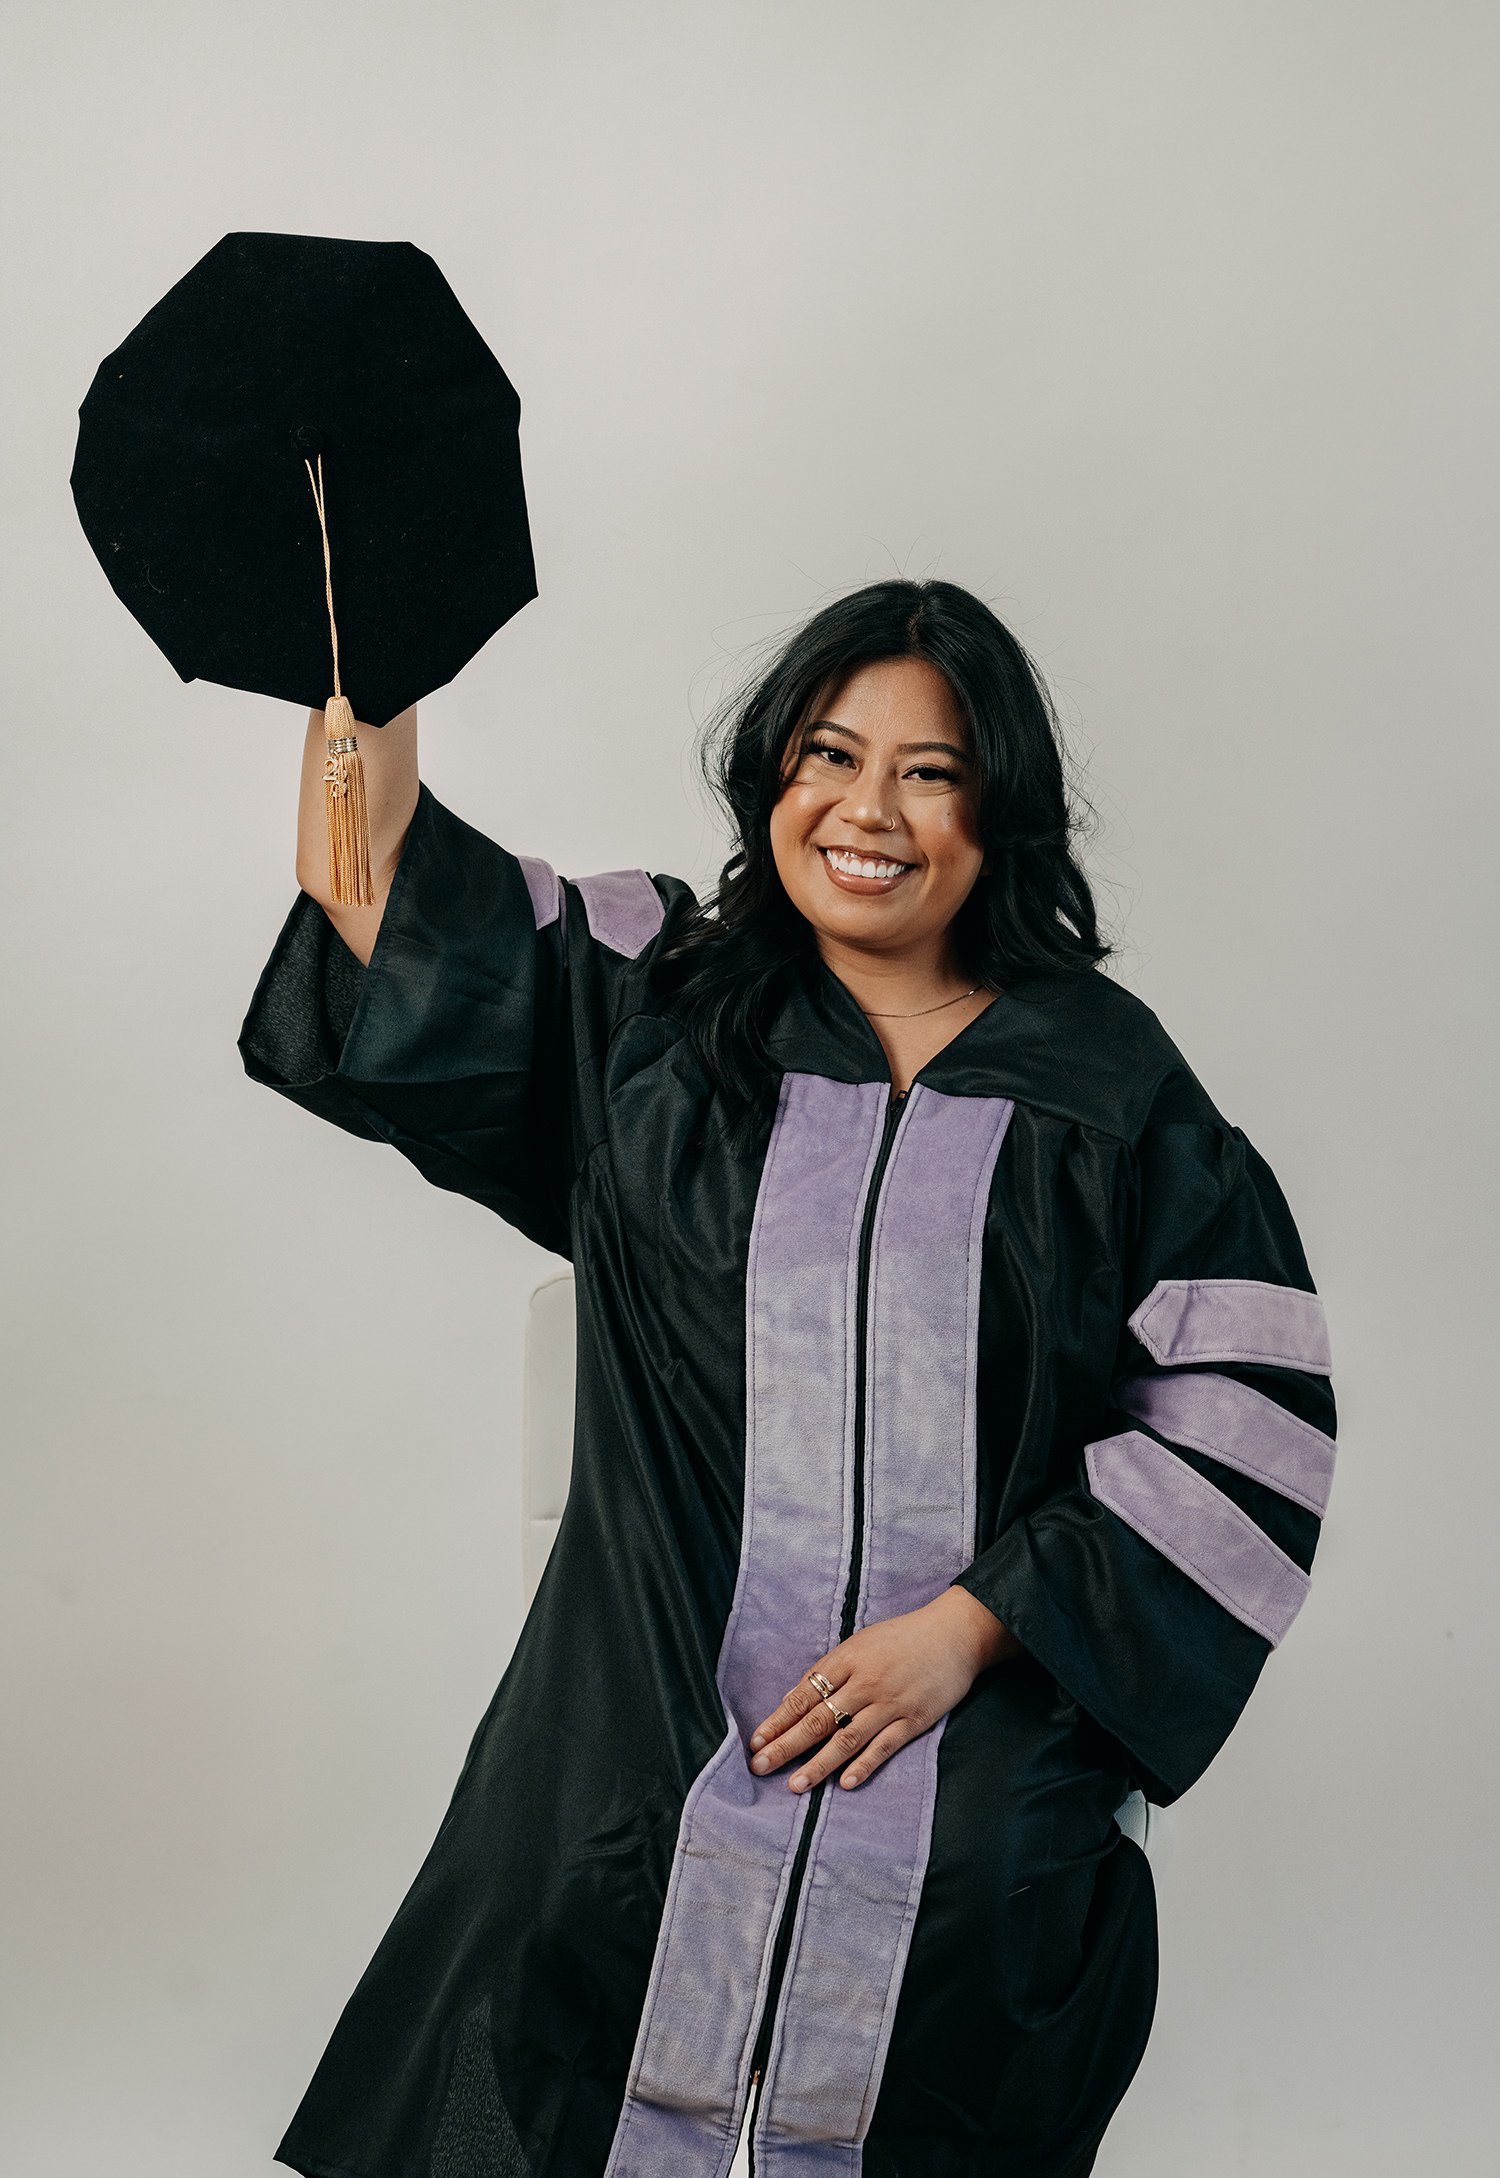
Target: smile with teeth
[(849, 864)]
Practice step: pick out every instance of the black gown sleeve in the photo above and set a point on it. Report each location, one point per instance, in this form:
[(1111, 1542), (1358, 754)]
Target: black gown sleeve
[(1154, 1583), (473, 1040)]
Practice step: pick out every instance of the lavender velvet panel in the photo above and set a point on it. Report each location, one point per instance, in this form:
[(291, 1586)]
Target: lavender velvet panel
[(1203, 1533), (869, 1855), (689, 2074), (1237, 1425), (1233, 1319), (624, 909), (544, 888)]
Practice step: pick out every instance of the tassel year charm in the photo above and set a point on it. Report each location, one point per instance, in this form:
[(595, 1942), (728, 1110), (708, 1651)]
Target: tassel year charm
[(349, 878), (348, 817)]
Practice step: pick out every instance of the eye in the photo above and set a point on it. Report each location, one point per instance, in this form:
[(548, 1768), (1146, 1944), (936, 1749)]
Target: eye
[(933, 771), (829, 749)]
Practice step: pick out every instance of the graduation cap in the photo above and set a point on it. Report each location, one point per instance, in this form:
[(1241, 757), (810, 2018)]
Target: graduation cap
[(303, 423)]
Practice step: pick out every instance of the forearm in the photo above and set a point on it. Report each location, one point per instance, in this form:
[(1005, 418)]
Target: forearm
[(389, 756)]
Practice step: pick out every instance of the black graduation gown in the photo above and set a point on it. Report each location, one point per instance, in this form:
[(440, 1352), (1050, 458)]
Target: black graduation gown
[(1045, 1329)]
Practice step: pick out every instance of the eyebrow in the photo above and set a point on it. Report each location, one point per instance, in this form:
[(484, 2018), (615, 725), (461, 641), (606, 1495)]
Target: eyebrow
[(904, 748)]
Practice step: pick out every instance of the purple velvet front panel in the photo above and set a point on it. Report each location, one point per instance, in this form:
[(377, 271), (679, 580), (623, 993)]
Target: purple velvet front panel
[(544, 888), (738, 1833), (1238, 1425), (624, 909), (1233, 1319), (1198, 1528), (864, 1876)]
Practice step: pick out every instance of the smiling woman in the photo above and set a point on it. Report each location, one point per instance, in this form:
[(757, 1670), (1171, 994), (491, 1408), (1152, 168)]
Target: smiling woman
[(952, 1435), (877, 845), (903, 724)]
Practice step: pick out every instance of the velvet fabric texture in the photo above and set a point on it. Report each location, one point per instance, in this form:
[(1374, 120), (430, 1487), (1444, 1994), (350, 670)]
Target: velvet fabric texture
[(822, 1371), (190, 483)]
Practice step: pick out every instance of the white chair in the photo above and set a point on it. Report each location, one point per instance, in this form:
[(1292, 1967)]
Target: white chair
[(547, 1420), (547, 1463)]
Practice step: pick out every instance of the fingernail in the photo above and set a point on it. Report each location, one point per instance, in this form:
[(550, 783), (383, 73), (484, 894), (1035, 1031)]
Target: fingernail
[(851, 1777), (761, 1762), (757, 1739), (799, 1783)]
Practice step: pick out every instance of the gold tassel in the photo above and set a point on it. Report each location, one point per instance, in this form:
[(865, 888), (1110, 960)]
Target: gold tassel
[(343, 774), (348, 815)]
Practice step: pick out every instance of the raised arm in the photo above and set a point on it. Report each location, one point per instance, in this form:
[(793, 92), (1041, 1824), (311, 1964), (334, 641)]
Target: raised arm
[(389, 757), (466, 1016)]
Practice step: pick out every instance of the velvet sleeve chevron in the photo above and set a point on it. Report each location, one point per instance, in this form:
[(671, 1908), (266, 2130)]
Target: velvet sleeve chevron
[(474, 1039), (1155, 1584)]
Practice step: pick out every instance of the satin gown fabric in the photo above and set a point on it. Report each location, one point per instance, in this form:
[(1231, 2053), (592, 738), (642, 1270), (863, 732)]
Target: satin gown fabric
[(823, 1369)]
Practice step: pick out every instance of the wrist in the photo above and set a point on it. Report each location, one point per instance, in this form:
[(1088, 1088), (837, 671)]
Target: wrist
[(973, 1625)]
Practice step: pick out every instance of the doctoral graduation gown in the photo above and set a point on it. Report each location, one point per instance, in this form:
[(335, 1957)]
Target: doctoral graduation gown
[(1044, 1329)]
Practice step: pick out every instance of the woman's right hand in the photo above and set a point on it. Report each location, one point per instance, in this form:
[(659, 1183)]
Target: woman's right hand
[(389, 756)]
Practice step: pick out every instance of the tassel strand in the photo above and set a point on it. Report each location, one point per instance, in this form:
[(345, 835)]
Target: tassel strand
[(349, 878)]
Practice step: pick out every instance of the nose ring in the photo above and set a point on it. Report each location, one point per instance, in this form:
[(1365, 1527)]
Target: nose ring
[(892, 825)]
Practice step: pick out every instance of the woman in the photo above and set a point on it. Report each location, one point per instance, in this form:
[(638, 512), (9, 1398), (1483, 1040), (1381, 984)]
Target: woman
[(953, 1428)]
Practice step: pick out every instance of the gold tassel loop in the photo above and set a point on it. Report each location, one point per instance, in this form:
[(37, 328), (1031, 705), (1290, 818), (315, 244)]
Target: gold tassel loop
[(349, 875), (348, 815)]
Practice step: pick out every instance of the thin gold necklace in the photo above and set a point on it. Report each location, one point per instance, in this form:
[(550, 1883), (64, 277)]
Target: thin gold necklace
[(942, 1002)]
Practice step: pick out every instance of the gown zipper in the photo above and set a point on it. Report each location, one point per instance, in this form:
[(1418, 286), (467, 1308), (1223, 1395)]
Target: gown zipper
[(782, 1942)]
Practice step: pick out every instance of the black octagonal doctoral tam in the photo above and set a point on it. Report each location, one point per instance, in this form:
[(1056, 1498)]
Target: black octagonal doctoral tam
[(192, 484)]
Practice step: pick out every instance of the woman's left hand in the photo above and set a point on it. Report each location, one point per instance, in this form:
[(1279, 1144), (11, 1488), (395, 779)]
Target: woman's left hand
[(893, 1680)]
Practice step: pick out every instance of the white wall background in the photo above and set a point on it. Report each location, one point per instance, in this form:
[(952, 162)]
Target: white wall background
[(1169, 328)]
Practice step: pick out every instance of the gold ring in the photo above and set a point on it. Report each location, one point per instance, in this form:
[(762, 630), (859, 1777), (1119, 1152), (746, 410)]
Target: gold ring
[(840, 1717), (824, 1686)]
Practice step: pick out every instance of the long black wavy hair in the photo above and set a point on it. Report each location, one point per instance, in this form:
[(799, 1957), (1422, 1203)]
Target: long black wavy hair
[(728, 965)]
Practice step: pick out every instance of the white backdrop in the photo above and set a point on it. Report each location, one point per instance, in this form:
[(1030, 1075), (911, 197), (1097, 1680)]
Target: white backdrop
[(1170, 329)]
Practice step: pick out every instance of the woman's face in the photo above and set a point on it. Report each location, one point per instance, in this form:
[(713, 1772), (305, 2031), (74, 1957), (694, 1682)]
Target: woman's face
[(876, 830)]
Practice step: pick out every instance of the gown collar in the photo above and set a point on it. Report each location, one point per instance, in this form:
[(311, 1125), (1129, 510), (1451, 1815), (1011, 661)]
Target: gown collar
[(822, 1029), (1068, 1041)]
